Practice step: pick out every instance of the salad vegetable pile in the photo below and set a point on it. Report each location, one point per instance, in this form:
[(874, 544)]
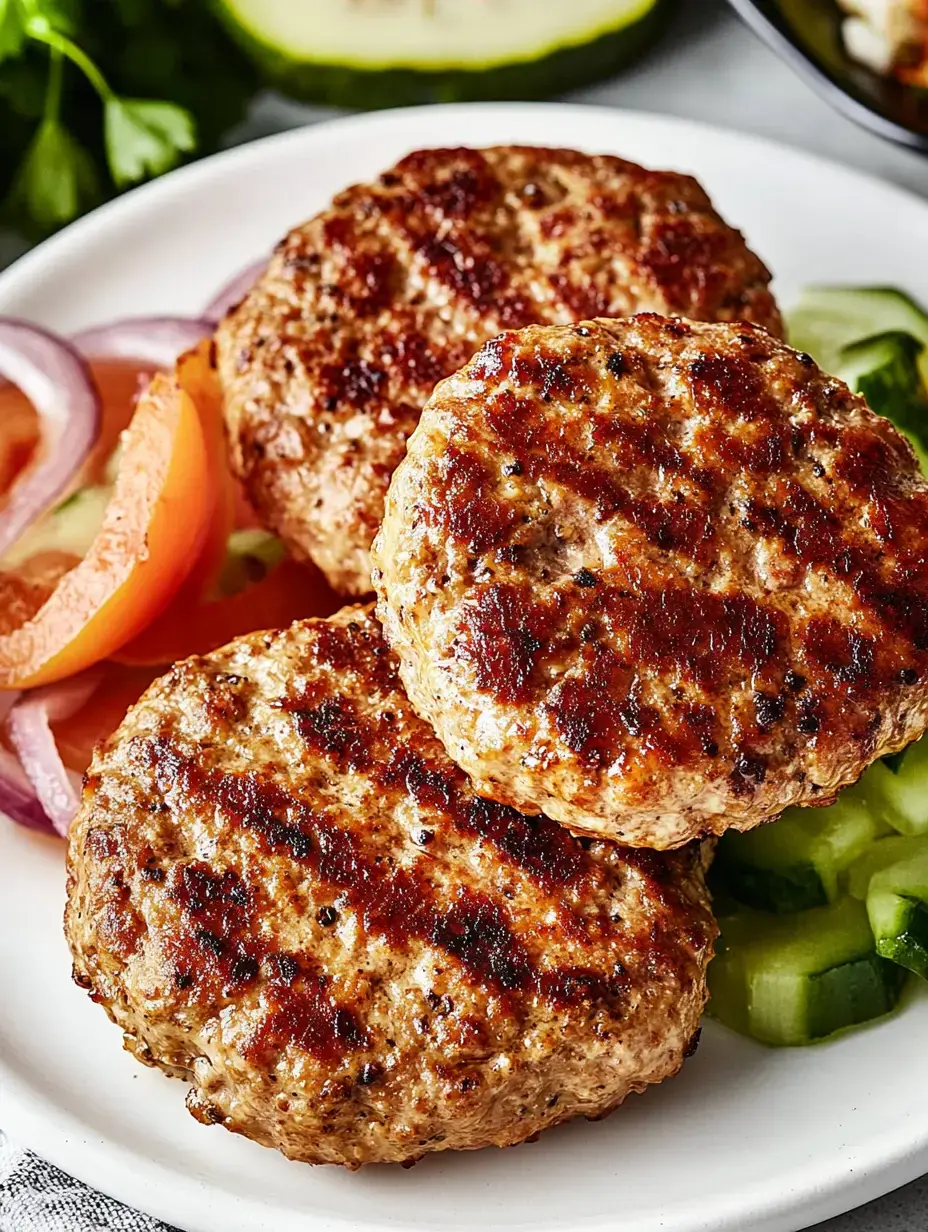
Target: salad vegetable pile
[(824, 914), (125, 543)]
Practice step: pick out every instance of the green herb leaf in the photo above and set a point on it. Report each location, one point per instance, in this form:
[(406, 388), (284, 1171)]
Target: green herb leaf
[(145, 138), (42, 15), (56, 180), (12, 30)]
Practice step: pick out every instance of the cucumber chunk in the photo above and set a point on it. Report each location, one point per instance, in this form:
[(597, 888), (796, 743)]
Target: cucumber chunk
[(828, 319), (901, 798), (389, 52), (897, 904), (250, 556), (789, 980), (796, 863), (884, 369), (886, 852)]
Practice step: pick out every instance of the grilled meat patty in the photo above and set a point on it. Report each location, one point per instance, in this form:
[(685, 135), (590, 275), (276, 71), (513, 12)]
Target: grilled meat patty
[(329, 360), (283, 892), (657, 578)]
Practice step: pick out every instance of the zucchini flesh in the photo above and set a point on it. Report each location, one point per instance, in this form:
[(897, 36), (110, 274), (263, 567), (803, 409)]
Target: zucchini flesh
[(387, 53), (789, 980), (828, 319), (901, 798), (796, 863), (442, 34)]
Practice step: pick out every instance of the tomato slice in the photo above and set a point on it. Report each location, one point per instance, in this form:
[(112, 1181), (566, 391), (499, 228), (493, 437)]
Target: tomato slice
[(153, 532), (197, 376), (289, 592)]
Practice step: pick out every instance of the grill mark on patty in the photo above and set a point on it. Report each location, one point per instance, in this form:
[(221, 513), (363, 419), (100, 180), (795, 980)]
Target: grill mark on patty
[(397, 904), (540, 446), (609, 642), (304, 1014), (684, 259), (331, 725), (538, 846), (707, 637), (895, 594), (619, 640), (218, 950), (468, 510)]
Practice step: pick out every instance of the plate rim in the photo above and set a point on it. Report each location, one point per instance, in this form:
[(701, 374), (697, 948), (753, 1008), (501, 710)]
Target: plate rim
[(33, 1117)]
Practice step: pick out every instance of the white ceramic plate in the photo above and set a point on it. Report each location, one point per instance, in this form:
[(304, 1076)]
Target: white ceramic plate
[(746, 1139)]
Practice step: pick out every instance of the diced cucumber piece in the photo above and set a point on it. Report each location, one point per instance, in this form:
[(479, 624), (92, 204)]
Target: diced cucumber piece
[(886, 852), (250, 556), (70, 527), (884, 369), (897, 904), (828, 319), (391, 52), (789, 980), (796, 863), (901, 798)]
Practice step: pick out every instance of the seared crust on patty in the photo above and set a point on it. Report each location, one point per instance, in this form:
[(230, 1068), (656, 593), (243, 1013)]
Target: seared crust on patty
[(328, 361), (657, 578), (283, 892)]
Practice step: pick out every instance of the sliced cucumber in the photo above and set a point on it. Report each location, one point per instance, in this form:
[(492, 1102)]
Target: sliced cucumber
[(250, 556), (886, 852), (796, 862), (828, 319), (70, 527), (884, 369), (789, 980), (900, 798), (388, 52), (897, 904)]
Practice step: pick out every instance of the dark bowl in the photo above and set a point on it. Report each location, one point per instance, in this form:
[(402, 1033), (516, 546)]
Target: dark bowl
[(807, 35)]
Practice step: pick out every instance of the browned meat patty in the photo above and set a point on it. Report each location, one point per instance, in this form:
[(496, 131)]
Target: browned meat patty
[(328, 362), (657, 578), (283, 892)]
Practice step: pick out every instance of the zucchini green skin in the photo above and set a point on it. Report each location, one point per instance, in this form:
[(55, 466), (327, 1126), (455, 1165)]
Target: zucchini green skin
[(554, 73)]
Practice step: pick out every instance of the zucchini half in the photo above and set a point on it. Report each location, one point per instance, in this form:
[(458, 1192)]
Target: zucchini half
[(389, 53)]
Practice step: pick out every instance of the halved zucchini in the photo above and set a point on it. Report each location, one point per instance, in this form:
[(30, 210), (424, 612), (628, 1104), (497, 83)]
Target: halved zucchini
[(386, 53)]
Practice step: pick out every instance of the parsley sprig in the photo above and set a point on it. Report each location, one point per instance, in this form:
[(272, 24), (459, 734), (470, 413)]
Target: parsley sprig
[(76, 119), (57, 179)]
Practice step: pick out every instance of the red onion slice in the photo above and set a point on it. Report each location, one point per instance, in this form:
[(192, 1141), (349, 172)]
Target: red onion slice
[(234, 290), (28, 725), (57, 382), (154, 340), (17, 799)]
